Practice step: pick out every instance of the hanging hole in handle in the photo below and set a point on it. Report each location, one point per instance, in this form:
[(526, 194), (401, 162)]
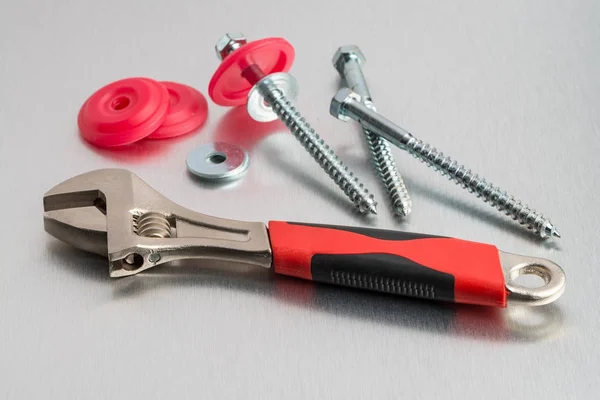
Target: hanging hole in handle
[(518, 268), (531, 276)]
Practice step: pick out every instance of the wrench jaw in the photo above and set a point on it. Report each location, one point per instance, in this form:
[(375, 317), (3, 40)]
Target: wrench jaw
[(112, 212), (84, 228)]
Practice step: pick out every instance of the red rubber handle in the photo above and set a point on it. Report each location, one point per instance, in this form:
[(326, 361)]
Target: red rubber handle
[(410, 264)]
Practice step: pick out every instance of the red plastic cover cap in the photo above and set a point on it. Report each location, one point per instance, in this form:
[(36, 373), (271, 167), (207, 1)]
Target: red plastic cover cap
[(123, 112), (227, 86), (187, 111)]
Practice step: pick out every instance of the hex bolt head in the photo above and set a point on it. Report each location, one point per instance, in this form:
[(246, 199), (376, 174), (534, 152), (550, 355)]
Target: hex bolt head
[(336, 107), (228, 43), (345, 54)]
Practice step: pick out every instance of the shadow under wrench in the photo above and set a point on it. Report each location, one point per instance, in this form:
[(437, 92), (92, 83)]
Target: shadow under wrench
[(237, 127), (513, 324)]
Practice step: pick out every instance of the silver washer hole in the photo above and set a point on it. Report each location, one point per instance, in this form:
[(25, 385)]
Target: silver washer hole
[(218, 161), (217, 158)]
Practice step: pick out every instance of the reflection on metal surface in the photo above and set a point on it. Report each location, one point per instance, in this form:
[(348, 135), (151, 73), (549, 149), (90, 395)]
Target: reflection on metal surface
[(137, 152), (516, 324), (236, 121), (483, 323), (530, 323)]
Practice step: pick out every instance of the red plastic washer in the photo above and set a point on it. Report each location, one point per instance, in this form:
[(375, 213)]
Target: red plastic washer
[(227, 86), (188, 110), (123, 112)]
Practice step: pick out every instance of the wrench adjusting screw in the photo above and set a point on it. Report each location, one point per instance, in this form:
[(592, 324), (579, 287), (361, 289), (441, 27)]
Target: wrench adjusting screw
[(347, 104), (255, 74), (348, 61)]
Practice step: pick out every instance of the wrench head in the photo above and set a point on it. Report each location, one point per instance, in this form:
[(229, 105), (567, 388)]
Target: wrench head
[(77, 212), (112, 212)]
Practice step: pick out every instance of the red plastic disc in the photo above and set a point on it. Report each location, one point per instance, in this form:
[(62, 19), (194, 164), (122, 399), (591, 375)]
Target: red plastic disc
[(188, 110), (229, 88), (123, 112)]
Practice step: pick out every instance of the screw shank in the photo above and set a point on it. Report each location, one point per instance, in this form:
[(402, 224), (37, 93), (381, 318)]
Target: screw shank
[(376, 123), (253, 74), (355, 79)]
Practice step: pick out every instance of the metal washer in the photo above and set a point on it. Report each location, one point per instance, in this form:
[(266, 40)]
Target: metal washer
[(218, 161), (258, 109)]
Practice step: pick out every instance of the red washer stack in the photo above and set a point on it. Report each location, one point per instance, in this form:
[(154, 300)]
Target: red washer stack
[(132, 109)]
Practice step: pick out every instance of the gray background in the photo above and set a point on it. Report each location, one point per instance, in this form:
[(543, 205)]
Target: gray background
[(510, 88)]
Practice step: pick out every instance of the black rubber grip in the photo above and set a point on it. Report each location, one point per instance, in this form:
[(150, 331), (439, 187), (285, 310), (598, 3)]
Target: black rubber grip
[(386, 273)]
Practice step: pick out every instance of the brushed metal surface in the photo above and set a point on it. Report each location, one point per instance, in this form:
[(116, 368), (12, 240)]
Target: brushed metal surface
[(518, 79)]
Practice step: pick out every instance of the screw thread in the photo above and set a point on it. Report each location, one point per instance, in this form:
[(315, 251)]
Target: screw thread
[(318, 149), (392, 181), (489, 193), (348, 62)]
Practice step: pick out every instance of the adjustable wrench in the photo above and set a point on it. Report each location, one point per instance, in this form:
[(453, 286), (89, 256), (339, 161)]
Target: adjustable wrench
[(114, 213)]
